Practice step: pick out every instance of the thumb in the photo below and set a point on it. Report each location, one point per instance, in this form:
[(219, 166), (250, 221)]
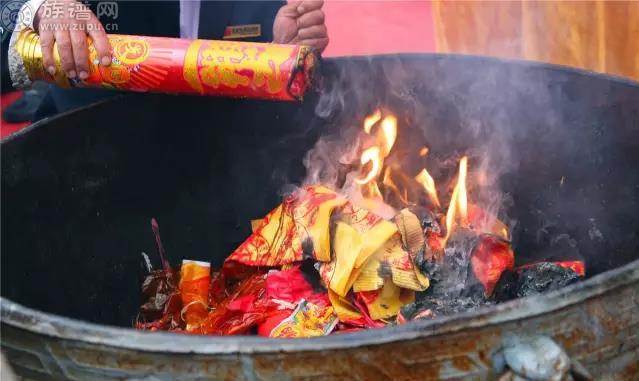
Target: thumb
[(290, 9)]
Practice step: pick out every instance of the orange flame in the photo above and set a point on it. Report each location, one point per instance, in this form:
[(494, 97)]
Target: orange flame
[(426, 180), (371, 190), (389, 128), (388, 182), (458, 207), (371, 120), (423, 152), (375, 155)]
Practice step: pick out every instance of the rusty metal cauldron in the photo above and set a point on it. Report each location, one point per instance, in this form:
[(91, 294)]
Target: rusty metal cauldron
[(79, 189)]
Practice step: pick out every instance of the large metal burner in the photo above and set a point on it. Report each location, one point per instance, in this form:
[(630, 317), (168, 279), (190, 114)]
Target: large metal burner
[(78, 191)]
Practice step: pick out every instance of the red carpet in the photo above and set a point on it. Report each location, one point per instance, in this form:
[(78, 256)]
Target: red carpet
[(7, 129)]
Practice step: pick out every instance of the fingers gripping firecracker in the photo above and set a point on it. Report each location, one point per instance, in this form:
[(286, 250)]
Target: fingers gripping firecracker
[(172, 65)]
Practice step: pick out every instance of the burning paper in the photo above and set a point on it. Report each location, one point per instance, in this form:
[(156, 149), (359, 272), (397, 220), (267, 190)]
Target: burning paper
[(381, 250), (279, 240)]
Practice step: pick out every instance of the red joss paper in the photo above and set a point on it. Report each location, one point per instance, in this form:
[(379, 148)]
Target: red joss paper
[(490, 258), (291, 286)]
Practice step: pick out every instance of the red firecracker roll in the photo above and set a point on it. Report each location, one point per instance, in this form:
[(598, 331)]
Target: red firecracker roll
[(178, 66)]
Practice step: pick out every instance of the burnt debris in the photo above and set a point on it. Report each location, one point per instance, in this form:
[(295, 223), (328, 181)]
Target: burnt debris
[(533, 279)]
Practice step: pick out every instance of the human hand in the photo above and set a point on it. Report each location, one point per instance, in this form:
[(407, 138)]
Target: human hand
[(301, 22), (67, 24)]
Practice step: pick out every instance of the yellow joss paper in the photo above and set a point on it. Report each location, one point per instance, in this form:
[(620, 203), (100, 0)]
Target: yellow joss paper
[(403, 271), (413, 241), (411, 232), (347, 243), (391, 261), (371, 278), (344, 310), (278, 239), (316, 219), (255, 224), (389, 300), (352, 249), (375, 238)]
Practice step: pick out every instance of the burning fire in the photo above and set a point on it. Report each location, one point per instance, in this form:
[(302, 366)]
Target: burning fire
[(372, 155), (458, 207), (371, 192), (389, 129), (390, 184), (383, 131), (426, 180), (371, 120), (384, 142), (375, 261)]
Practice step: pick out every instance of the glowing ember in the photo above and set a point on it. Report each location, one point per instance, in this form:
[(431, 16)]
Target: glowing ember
[(426, 180), (458, 207), (423, 152)]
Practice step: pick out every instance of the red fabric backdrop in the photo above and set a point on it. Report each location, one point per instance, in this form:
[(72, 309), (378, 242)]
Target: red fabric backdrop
[(358, 27)]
